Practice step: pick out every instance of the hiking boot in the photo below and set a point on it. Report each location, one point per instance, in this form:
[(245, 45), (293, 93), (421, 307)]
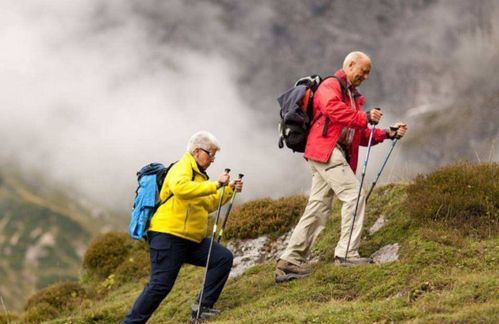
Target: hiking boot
[(351, 261), (206, 312), (286, 271)]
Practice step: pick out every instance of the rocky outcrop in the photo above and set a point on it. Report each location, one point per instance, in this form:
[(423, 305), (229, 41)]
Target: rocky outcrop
[(380, 222), (250, 252), (387, 253)]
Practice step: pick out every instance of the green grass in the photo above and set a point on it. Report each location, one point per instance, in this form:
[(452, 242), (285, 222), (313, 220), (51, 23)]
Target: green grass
[(444, 275), (463, 196)]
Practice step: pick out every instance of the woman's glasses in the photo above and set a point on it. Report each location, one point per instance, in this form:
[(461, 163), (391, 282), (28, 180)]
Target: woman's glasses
[(210, 155)]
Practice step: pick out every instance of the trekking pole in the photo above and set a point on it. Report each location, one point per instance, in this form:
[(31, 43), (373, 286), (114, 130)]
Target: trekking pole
[(384, 163), (228, 211), (209, 251), (360, 188)]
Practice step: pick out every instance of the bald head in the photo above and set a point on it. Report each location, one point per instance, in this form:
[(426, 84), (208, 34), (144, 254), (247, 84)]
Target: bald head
[(357, 66)]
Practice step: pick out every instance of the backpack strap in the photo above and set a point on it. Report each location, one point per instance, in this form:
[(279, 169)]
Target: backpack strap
[(171, 195), (344, 90), (343, 85), (168, 198)]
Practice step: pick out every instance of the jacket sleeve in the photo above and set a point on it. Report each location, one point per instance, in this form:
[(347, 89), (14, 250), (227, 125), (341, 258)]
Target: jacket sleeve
[(328, 99), (378, 136), (183, 187), (215, 198)]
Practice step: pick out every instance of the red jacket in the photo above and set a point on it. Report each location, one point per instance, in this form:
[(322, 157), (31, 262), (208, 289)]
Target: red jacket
[(328, 103)]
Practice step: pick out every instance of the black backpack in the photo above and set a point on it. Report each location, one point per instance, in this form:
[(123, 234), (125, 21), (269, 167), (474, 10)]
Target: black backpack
[(297, 112)]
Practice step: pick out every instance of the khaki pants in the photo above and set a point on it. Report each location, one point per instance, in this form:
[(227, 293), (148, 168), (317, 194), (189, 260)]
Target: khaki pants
[(329, 179)]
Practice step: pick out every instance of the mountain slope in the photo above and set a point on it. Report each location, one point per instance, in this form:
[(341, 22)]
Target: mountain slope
[(42, 238), (443, 275)]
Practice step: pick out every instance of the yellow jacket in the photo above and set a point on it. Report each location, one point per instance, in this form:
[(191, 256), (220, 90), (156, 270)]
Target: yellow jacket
[(185, 214)]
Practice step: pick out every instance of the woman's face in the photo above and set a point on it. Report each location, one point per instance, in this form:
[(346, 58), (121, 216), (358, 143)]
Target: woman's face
[(204, 157)]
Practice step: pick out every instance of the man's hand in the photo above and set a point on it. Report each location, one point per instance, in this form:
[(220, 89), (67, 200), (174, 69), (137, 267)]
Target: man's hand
[(397, 131), (374, 116), (237, 185)]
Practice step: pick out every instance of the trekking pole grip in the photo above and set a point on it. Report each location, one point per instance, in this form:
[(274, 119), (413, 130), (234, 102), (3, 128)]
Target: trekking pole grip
[(374, 123), (395, 129), (227, 170), (240, 177)]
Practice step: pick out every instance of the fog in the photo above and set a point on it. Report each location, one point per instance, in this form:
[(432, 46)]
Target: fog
[(92, 90), (88, 109)]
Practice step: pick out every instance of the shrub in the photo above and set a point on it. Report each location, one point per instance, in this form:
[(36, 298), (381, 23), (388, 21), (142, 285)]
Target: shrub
[(463, 196), (40, 313), (265, 216), (136, 266), (7, 317), (106, 252), (61, 296)]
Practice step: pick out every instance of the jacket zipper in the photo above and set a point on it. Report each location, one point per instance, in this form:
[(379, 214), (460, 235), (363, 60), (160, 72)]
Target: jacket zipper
[(186, 218)]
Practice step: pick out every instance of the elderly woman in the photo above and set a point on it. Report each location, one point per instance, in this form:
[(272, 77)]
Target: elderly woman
[(177, 231)]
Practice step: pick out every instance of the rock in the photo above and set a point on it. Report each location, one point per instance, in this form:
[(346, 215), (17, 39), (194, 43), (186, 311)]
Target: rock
[(387, 253), (250, 252), (380, 222), (247, 253)]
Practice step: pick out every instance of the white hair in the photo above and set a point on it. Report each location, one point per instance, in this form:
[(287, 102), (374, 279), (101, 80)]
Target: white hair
[(353, 57), (204, 140)]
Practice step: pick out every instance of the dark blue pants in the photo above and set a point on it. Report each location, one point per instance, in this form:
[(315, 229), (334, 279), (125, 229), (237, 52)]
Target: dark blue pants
[(168, 253)]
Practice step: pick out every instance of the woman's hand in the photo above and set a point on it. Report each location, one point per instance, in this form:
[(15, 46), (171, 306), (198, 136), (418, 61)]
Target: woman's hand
[(237, 185), (223, 180)]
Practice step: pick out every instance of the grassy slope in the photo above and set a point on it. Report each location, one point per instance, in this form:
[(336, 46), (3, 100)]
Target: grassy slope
[(441, 277)]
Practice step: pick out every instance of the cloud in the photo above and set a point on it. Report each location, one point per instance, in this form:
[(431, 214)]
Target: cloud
[(89, 106), (92, 90)]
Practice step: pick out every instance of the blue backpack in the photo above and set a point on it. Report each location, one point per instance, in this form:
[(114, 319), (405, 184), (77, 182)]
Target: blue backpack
[(147, 201)]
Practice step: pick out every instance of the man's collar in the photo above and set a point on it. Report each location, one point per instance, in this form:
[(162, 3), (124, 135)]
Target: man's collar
[(349, 85), (341, 74)]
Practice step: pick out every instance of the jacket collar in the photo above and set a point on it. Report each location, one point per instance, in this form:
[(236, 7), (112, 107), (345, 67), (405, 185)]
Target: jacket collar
[(194, 165), (342, 75)]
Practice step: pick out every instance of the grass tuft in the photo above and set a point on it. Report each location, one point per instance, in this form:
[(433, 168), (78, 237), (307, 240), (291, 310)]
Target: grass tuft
[(463, 196), (7, 317)]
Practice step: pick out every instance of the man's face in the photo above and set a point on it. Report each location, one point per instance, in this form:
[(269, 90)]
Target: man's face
[(358, 71)]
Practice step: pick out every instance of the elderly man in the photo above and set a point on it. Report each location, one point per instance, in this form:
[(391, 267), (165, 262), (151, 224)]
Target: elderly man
[(177, 231), (332, 148)]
